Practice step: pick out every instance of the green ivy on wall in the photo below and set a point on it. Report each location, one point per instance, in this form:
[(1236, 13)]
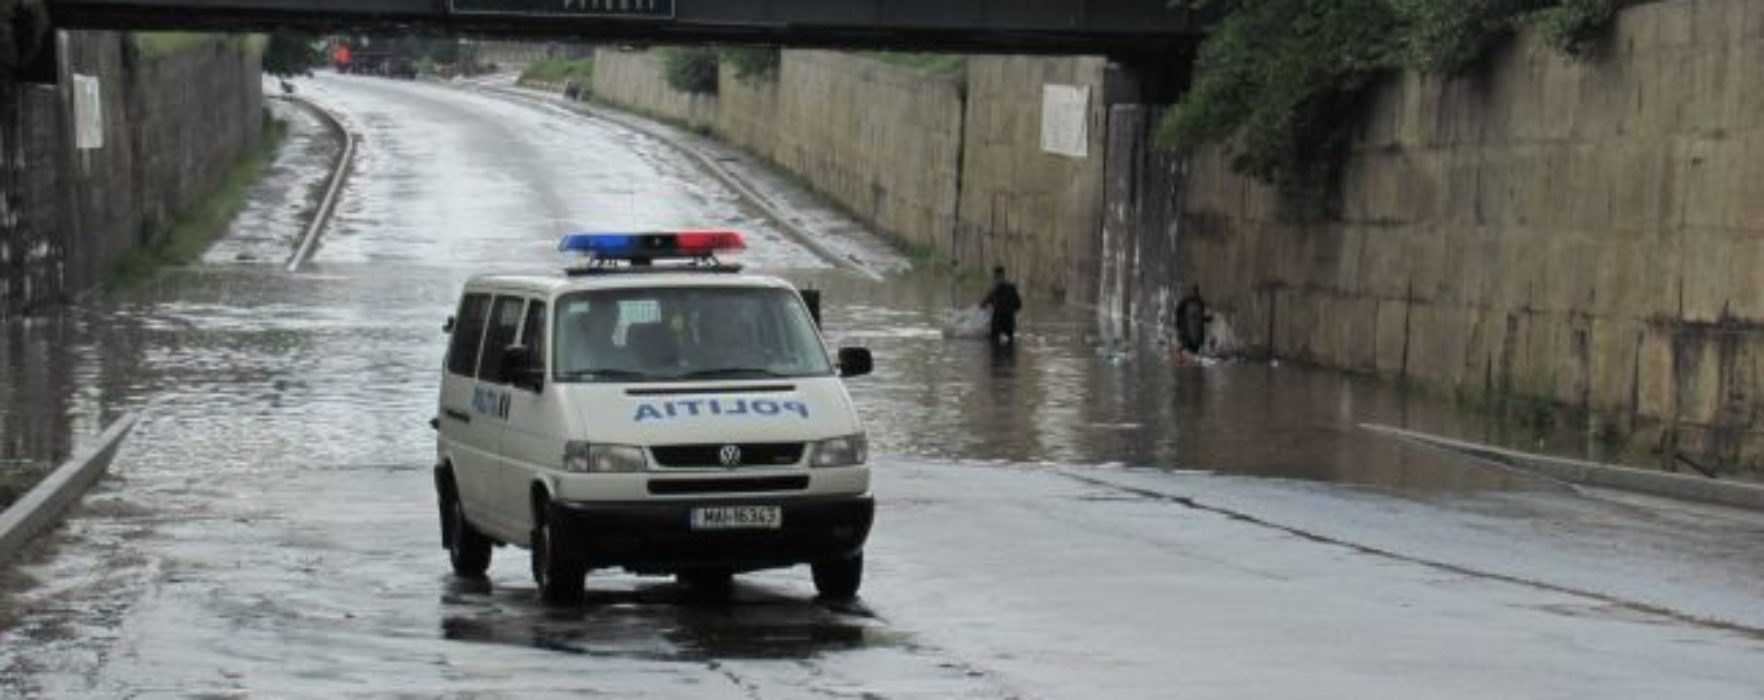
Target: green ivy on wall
[(753, 64), (1281, 83), (691, 69)]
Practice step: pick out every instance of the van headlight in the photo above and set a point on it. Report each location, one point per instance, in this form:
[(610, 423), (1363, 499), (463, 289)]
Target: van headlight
[(847, 451), (600, 459)]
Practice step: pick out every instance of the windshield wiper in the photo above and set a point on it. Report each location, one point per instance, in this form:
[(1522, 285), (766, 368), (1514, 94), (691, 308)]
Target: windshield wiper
[(730, 372), (604, 374)]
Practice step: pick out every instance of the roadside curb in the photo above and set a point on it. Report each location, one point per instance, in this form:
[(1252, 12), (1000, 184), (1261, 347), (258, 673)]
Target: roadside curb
[(748, 193), (43, 506), (1596, 474), (334, 183)]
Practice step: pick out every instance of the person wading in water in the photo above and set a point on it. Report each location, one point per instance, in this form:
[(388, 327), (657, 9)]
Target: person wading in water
[(1005, 304)]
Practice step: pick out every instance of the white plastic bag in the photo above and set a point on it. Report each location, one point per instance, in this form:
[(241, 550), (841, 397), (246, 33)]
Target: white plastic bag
[(1221, 340), (971, 322)]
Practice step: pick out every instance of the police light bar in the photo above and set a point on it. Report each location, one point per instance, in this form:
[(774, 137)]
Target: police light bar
[(696, 243)]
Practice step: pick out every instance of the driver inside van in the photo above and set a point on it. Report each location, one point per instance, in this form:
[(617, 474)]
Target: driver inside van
[(589, 345), (726, 340)]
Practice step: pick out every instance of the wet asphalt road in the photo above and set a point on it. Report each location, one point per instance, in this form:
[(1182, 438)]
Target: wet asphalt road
[(1053, 522)]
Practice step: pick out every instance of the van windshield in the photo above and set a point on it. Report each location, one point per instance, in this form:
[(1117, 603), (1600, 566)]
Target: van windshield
[(685, 333)]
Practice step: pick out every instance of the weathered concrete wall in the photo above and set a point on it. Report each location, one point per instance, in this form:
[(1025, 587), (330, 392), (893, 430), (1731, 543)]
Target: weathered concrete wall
[(947, 164), (1590, 232), (32, 196), (173, 126), (883, 141), (636, 80), (1038, 213), (192, 115), (103, 220), (1137, 275)]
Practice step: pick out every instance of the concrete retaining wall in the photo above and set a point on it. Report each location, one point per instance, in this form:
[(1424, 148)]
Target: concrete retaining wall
[(173, 126), (1585, 231), (883, 141), (945, 164), (1038, 213), (635, 80)]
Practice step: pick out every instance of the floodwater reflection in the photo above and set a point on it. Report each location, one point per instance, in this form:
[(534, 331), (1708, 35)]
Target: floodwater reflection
[(662, 622), (1062, 397)]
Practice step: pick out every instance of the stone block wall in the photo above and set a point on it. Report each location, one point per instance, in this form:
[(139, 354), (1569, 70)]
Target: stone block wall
[(1038, 213), (32, 197), (1589, 232), (193, 114), (637, 81), (173, 127), (946, 164), (883, 141)]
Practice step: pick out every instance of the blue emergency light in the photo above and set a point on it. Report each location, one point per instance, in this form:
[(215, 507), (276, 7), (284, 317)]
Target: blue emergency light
[(693, 244)]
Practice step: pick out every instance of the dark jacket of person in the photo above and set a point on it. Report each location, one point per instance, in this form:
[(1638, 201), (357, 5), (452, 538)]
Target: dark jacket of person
[(1004, 301)]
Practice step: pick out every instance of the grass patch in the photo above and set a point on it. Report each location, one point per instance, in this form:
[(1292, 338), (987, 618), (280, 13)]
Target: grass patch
[(18, 478), (556, 71), (197, 227), (947, 65)]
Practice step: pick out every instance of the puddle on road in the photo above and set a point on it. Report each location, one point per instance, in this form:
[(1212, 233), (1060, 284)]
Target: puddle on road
[(661, 622)]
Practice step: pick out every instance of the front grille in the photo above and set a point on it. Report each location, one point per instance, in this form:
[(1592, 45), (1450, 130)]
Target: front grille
[(753, 454), (675, 487)]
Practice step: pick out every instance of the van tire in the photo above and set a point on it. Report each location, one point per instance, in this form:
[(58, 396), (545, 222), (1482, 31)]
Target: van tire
[(712, 583), (467, 549), (839, 579), (556, 569)]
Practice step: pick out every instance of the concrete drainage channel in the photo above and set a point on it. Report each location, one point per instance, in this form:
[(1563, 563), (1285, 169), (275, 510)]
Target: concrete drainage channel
[(39, 509), (1583, 473), (333, 184)]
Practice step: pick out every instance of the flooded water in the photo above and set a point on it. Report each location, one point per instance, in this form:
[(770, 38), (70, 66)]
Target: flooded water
[(1062, 397), (269, 527), (338, 364)]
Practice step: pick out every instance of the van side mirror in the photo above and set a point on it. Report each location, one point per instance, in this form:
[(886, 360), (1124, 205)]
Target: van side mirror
[(448, 326), (855, 362), (521, 368), (812, 297)]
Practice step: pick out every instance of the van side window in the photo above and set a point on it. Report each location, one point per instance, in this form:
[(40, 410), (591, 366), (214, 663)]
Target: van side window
[(505, 324), (533, 334), (468, 331)]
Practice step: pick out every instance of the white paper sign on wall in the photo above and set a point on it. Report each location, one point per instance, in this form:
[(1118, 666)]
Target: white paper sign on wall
[(1065, 119), (88, 112)]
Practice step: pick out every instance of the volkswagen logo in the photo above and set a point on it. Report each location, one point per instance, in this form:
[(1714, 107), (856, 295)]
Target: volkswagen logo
[(730, 456)]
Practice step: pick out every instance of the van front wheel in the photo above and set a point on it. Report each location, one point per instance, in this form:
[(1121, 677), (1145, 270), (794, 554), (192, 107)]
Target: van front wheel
[(838, 579), (558, 572), (467, 549)]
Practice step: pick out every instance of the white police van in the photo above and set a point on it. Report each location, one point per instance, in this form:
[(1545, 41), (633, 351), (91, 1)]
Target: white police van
[(679, 418)]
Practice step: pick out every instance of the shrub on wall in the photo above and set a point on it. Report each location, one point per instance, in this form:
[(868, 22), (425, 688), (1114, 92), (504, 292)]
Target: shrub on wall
[(288, 54), (753, 64), (691, 69), (1281, 82)]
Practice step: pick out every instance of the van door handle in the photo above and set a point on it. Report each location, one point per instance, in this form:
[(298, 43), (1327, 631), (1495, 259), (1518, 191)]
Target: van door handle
[(460, 416)]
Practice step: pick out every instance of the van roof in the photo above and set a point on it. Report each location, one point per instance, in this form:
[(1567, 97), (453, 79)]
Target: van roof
[(557, 283)]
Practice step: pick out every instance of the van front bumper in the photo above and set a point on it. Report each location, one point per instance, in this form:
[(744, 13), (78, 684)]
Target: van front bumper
[(657, 537)]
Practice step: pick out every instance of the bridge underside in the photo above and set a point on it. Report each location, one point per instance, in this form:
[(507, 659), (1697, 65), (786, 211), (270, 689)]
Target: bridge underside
[(1109, 27)]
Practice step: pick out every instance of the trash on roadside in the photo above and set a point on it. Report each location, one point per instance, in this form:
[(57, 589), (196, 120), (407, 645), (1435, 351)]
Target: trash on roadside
[(1219, 345), (1221, 341), (971, 322)]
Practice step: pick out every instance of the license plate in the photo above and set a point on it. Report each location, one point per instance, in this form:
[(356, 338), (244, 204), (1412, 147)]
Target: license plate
[(737, 518)]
